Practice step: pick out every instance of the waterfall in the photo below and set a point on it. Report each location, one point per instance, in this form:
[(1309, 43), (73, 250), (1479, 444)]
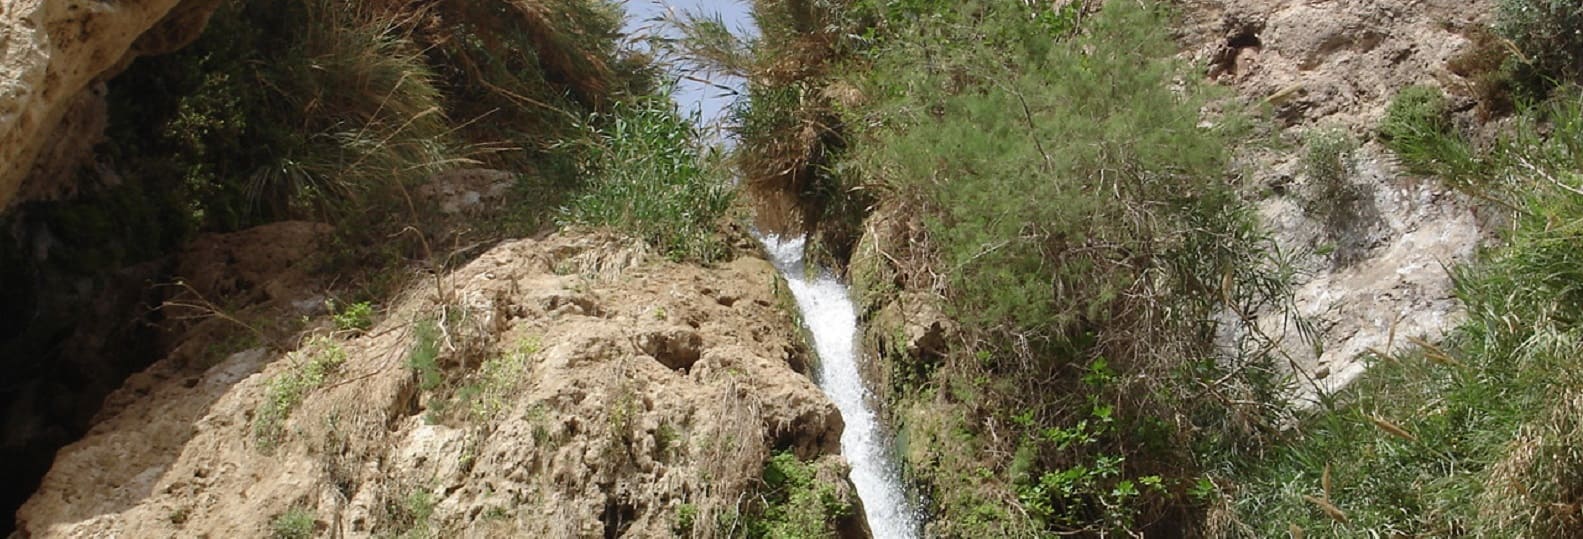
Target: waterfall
[(831, 318)]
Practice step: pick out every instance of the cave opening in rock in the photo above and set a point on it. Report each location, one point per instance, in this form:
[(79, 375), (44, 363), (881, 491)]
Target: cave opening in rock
[(69, 335)]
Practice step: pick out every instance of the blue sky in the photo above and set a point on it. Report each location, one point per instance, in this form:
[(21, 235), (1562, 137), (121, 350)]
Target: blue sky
[(694, 96)]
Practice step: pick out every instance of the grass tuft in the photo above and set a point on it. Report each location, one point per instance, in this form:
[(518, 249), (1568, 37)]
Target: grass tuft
[(311, 366), (296, 523), (647, 175)]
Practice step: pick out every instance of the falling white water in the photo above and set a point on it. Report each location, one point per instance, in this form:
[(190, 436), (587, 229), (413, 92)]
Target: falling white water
[(832, 319)]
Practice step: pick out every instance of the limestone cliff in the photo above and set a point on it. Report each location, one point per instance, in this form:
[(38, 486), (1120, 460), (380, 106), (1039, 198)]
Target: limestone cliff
[(54, 57), (572, 386)]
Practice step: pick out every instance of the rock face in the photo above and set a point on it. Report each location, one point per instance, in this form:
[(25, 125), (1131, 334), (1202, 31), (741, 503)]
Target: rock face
[(1336, 65), (54, 57), (581, 389)]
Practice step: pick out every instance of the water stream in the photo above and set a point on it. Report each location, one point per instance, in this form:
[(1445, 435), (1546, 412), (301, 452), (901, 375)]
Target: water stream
[(826, 307), (831, 318)]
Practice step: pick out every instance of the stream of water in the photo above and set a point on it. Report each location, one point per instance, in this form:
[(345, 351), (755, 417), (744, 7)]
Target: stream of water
[(831, 318), (826, 307)]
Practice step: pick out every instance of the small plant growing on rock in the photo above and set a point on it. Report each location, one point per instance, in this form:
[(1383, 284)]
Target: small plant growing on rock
[(296, 523), (686, 516), (1417, 126), (355, 317), (1328, 159), (647, 178), (423, 359), (497, 380), (287, 390), (797, 502)]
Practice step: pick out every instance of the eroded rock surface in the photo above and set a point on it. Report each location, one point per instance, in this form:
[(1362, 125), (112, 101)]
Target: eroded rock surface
[(611, 391), (1381, 273)]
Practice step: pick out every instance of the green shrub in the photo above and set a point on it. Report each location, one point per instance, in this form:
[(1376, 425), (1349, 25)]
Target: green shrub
[(296, 523), (1415, 112), (796, 502), (334, 111), (414, 514), (1417, 126), (316, 108), (1328, 160), (423, 358), (647, 175), (496, 382), (1493, 68), (686, 517), (312, 365), (1546, 32), (355, 317), (1076, 202)]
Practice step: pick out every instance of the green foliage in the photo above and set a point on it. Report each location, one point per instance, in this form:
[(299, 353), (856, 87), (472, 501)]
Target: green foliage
[(1328, 160), (648, 176), (668, 440), (796, 503), (686, 517), (1417, 126), (311, 366), (423, 359), (1066, 497), (1491, 64), (340, 115), (518, 74), (355, 317), (496, 382), (334, 111), (296, 523), (1077, 202), (1546, 32), (478, 395), (415, 511), (1485, 441)]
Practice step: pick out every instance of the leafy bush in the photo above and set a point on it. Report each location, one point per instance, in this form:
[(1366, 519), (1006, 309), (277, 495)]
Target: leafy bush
[(312, 366), (1417, 126), (1546, 32), (686, 517), (423, 358), (1415, 112), (1328, 160), (414, 513), (496, 382), (648, 176), (296, 523), (796, 502), (1492, 66), (355, 317), (341, 115), (1078, 207), (1334, 199), (333, 111)]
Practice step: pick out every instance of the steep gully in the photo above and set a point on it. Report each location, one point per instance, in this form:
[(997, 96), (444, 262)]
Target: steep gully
[(831, 318), (827, 310)]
